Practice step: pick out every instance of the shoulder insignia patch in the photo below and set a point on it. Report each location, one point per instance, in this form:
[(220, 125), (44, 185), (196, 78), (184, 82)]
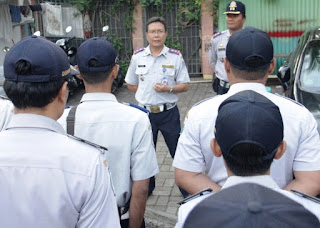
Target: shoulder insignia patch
[(101, 148), (217, 34), (137, 51), (196, 195), (174, 51), (137, 107), (289, 99), (202, 101), (4, 98)]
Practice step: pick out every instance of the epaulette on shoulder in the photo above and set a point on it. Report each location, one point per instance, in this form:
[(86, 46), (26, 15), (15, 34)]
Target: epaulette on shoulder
[(196, 195), (289, 99), (3, 97), (174, 51), (217, 34), (137, 107), (202, 101), (139, 50), (101, 148)]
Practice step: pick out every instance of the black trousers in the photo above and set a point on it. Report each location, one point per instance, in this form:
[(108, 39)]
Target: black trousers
[(168, 123), (125, 223)]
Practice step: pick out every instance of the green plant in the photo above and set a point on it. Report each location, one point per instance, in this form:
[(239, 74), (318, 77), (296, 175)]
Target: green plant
[(173, 43)]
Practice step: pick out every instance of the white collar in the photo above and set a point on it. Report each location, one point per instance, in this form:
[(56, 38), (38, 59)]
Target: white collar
[(98, 97), (264, 180)]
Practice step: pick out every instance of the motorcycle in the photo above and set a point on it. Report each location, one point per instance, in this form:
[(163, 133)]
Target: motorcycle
[(119, 80), (74, 82)]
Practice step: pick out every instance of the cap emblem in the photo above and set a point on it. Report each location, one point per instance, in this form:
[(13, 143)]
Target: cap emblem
[(66, 72), (233, 6)]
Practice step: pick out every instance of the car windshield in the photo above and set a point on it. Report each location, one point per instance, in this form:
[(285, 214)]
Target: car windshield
[(310, 71)]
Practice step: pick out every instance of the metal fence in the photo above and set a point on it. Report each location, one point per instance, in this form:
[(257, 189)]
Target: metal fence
[(183, 34)]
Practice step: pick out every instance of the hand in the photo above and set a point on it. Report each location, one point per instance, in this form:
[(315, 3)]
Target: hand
[(160, 87)]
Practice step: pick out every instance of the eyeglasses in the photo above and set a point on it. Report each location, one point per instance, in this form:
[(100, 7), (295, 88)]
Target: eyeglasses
[(153, 32)]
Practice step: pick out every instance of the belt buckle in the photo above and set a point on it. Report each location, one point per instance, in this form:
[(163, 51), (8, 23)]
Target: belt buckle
[(154, 109)]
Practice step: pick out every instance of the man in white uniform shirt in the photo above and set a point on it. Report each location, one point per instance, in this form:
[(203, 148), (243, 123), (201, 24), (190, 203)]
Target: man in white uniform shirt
[(249, 61), (125, 130), (6, 111), (235, 18), (47, 178), (248, 136), (156, 75)]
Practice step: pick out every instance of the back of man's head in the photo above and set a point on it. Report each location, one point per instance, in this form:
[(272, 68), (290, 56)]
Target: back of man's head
[(250, 53), (35, 70), (96, 58), (249, 130)]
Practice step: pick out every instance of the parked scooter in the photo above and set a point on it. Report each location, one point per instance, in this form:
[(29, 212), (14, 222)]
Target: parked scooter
[(74, 82), (118, 81)]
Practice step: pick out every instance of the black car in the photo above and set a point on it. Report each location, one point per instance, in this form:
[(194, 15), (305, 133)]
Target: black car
[(300, 75)]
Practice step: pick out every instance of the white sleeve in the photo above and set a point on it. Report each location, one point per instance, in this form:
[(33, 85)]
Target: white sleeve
[(308, 152), (131, 77), (182, 75), (213, 55), (188, 155), (100, 207), (143, 163)]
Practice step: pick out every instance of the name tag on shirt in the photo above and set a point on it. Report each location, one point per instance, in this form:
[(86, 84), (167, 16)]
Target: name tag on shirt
[(168, 66)]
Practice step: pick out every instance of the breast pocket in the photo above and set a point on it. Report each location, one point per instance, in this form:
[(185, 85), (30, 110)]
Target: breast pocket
[(221, 55), (170, 73)]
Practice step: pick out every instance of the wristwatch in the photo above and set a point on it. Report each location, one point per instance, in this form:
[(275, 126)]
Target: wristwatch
[(171, 89)]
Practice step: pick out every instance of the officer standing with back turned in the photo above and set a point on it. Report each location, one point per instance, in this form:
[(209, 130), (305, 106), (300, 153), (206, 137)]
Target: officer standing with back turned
[(235, 18), (156, 74)]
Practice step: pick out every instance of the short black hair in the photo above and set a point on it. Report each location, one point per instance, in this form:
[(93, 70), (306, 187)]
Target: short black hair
[(250, 75), (95, 77), (246, 159), (156, 19), (31, 94)]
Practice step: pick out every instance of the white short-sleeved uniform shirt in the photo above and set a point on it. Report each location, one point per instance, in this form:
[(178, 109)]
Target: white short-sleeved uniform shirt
[(300, 132), (51, 180), (6, 111), (145, 70), (125, 131), (264, 180), (217, 54)]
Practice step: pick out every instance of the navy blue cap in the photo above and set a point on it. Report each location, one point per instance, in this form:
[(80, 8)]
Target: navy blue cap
[(48, 61), (249, 205), (98, 49), (235, 7), (250, 48), (249, 117)]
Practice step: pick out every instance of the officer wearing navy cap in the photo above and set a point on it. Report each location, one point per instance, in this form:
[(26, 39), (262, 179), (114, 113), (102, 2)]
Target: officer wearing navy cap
[(156, 75), (249, 136), (235, 18), (126, 131), (249, 61), (48, 179)]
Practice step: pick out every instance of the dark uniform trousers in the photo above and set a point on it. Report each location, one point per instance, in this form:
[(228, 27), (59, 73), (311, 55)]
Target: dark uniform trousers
[(168, 123)]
